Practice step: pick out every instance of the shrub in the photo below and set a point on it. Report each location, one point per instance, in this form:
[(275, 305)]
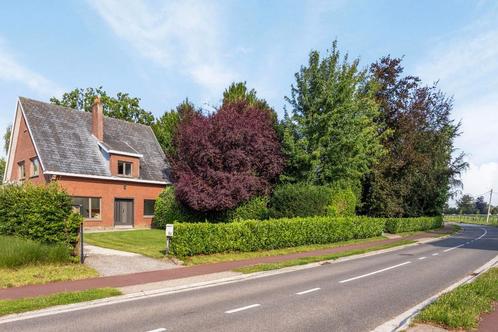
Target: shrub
[(398, 225), (299, 200), (303, 200), (169, 210), (222, 161), (207, 238), (40, 213), (256, 209), (16, 252)]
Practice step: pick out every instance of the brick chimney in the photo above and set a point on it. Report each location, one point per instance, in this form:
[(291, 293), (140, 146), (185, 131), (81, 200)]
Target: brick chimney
[(98, 119)]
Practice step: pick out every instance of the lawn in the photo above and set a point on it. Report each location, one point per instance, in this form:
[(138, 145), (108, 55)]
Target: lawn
[(461, 308), (35, 303), (313, 259), (147, 242), (25, 262)]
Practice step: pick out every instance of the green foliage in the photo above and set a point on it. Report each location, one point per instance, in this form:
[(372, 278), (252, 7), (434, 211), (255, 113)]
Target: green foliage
[(2, 169), (343, 202), (6, 139), (417, 175), (399, 225), (16, 252), (299, 200), (121, 107), (207, 238), (302, 200), (166, 126), (254, 209), (40, 213), (331, 134)]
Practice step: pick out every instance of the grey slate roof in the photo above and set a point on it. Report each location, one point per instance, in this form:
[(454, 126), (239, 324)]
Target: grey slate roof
[(63, 137)]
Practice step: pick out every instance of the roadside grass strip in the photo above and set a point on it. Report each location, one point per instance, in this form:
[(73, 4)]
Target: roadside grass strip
[(462, 307), (35, 303), (313, 259)]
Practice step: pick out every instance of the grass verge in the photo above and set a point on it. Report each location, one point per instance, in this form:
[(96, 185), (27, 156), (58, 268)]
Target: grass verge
[(461, 308), (42, 274), (35, 303), (313, 259), (235, 256)]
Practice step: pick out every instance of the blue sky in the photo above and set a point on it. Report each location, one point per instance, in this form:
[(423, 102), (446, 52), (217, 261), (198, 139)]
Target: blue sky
[(164, 51)]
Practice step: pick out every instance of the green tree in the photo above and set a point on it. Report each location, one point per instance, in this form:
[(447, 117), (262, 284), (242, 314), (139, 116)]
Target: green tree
[(481, 206), (331, 135), (121, 107), (466, 204), (6, 139), (417, 175), (2, 169), (166, 126)]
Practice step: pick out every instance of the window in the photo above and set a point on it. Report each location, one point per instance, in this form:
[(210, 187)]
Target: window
[(149, 207), (35, 167), (124, 168), (89, 207), (21, 169)]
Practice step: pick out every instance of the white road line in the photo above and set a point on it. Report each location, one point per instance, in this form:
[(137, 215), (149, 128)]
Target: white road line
[(374, 272), (162, 329), (452, 248), (308, 291), (435, 254), (485, 232), (421, 258), (242, 308)]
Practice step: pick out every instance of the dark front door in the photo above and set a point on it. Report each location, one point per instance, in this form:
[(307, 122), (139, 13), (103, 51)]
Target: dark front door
[(123, 212)]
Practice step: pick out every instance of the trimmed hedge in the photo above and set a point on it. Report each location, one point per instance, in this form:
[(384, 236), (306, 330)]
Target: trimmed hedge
[(207, 238), (39, 213), (399, 225)]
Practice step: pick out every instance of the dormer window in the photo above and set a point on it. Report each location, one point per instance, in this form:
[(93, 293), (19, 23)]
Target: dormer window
[(124, 168)]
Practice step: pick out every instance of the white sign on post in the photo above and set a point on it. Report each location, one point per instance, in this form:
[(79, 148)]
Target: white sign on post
[(169, 230)]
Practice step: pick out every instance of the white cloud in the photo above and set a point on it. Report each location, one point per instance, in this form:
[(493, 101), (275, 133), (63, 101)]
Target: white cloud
[(184, 34), (480, 179), (13, 71), (466, 65)]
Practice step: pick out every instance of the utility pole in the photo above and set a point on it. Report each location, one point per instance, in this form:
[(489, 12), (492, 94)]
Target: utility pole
[(489, 206)]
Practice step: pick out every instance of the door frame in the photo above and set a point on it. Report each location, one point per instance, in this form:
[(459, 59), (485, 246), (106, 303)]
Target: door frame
[(132, 211)]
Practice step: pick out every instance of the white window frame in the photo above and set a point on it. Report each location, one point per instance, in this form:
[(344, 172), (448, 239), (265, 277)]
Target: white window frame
[(32, 170), (21, 166), (124, 168), (90, 207)]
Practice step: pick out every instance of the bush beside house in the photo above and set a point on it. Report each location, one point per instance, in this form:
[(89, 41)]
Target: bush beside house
[(40, 213)]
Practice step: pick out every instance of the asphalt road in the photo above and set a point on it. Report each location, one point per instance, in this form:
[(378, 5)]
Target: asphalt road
[(355, 295)]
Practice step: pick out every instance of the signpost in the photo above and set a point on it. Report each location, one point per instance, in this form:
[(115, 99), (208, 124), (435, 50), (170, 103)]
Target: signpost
[(169, 235)]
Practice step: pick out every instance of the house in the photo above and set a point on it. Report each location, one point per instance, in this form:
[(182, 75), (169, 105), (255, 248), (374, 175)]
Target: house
[(113, 169)]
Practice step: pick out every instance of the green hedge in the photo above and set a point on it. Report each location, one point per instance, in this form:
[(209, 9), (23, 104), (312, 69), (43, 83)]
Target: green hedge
[(40, 213), (305, 200), (207, 238), (399, 225), (254, 209)]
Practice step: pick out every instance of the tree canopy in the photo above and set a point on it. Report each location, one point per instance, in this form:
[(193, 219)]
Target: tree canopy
[(416, 175), (221, 161), (123, 106), (330, 135)]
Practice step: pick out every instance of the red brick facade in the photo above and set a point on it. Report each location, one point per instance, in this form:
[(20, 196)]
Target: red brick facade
[(107, 190)]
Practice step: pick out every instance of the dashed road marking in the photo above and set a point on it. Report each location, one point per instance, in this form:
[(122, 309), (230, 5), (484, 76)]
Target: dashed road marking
[(242, 308), (435, 254), (162, 329), (422, 258), (309, 291), (374, 272)]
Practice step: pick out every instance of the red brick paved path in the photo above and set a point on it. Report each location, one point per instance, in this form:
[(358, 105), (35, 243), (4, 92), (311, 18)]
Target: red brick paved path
[(163, 275), (489, 322)]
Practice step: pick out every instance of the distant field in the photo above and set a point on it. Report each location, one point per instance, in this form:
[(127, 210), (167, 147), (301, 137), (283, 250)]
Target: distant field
[(472, 219)]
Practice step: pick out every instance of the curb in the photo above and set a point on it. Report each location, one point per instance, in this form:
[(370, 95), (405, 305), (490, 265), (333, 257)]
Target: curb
[(402, 322)]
